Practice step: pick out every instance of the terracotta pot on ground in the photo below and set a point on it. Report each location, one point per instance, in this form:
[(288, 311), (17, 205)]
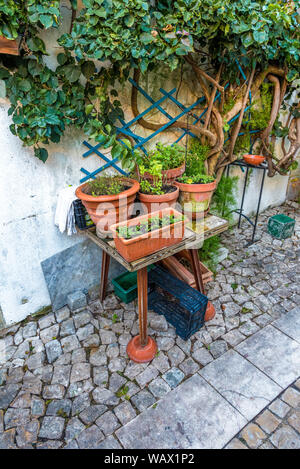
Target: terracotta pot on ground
[(210, 312), (148, 243), (168, 175), (105, 210), (152, 202), (195, 198), (255, 160)]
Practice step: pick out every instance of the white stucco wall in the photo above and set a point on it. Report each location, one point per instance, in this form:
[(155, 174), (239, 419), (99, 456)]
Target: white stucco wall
[(274, 191), (28, 195)]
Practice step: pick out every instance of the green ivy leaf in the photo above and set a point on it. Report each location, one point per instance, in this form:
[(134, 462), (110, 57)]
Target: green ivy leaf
[(88, 69), (260, 36), (129, 21), (71, 72), (292, 75), (25, 85), (46, 20), (88, 109), (66, 41), (34, 68), (41, 154), (62, 58), (146, 38), (36, 44), (247, 40), (4, 74), (116, 150)]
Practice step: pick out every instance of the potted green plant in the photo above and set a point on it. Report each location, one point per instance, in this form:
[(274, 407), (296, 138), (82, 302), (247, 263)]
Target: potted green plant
[(156, 191), (146, 234), (171, 158), (195, 186), (108, 199)]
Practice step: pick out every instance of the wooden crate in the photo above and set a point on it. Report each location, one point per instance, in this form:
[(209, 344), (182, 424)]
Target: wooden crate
[(8, 46), (173, 265)]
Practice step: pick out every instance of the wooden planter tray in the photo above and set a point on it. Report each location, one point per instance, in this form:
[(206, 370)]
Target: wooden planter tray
[(174, 266), (8, 46)]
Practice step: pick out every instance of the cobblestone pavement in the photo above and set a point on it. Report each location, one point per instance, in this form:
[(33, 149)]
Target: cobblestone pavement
[(66, 381), (277, 427)]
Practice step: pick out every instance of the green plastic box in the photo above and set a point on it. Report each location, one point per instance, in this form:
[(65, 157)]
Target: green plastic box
[(125, 286), (281, 226)]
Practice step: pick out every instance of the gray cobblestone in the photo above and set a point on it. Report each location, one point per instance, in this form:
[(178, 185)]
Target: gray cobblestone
[(159, 387), (143, 400), (125, 412), (108, 423), (173, 377)]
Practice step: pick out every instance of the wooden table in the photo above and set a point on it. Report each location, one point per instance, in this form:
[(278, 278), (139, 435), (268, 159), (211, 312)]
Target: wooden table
[(143, 348)]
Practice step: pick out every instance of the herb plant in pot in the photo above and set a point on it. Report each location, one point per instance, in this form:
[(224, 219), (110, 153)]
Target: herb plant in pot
[(171, 158), (146, 234), (156, 194), (196, 187), (108, 200)]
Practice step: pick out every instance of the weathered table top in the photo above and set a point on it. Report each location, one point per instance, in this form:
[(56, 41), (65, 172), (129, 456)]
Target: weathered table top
[(195, 234)]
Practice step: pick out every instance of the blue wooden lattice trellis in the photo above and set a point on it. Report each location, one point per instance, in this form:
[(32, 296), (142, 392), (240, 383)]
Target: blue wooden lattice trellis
[(141, 141)]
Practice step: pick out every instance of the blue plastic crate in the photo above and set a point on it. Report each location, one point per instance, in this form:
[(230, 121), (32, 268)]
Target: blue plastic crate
[(183, 306)]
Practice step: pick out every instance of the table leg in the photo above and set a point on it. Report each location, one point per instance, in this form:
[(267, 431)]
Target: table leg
[(197, 270), (142, 348), (142, 282), (210, 310), (104, 274)]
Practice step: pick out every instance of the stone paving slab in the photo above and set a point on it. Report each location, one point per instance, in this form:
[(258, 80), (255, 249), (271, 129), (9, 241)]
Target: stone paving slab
[(290, 324), (242, 384), (277, 427), (191, 416), (274, 353)]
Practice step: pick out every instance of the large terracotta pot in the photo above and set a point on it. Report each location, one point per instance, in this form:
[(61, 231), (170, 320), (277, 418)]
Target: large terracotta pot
[(195, 198), (148, 243), (154, 202), (168, 175), (105, 210)]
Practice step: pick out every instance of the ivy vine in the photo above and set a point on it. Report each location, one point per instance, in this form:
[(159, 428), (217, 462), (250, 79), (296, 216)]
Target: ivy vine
[(110, 38)]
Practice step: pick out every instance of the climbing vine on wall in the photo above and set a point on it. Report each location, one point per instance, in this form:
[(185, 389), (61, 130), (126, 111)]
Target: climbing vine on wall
[(241, 53)]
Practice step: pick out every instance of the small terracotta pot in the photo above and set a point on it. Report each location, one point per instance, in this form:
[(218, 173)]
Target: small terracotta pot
[(148, 243), (195, 198), (210, 312), (168, 175), (255, 160), (154, 202), (9, 46), (105, 210)]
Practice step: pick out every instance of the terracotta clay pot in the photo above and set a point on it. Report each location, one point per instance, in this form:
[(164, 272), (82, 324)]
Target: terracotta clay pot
[(148, 243), (255, 160), (195, 198), (8, 46), (153, 202), (168, 175), (210, 312), (105, 210)]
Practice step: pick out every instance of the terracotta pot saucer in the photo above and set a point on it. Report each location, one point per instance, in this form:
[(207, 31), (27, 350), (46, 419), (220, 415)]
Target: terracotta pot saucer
[(140, 354)]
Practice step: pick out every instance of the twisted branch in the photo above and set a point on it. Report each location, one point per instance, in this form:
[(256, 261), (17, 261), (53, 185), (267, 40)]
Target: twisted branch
[(177, 125)]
